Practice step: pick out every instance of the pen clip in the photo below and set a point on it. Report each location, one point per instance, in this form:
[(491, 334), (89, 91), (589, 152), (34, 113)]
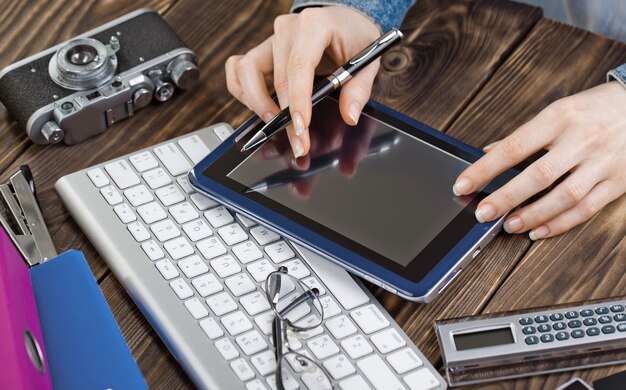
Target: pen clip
[(389, 35)]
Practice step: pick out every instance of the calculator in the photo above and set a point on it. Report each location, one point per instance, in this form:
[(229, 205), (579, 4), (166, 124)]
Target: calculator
[(512, 344)]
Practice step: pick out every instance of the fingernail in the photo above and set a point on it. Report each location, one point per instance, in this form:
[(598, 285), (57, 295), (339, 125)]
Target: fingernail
[(296, 145), (539, 233), (513, 225), (354, 112), (462, 186), (489, 147), (485, 213), (298, 123), (267, 117)]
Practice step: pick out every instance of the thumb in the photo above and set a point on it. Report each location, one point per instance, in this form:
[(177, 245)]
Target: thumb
[(356, 92)]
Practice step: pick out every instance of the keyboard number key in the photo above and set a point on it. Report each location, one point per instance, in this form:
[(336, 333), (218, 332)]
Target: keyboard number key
[(152, 250), (167, 269), (211, 328), (207, 285), (125, 213), (221, 303), (193, 266), (157, 178), (181, 288), (139, 232), (196, 308), (169, 195), (178, 248)]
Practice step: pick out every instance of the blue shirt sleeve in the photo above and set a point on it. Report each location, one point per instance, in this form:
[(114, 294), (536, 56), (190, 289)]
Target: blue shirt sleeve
[(385, 13)]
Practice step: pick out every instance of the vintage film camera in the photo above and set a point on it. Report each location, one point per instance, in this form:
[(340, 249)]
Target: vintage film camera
[(79, 88)]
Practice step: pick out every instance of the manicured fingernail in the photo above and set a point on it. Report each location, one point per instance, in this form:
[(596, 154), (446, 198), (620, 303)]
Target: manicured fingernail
[(513, 225), (539, 233), (489, 147), (485, 213), (267, 117), (298, 149), (354, 112), (298, 123), (462, 186)]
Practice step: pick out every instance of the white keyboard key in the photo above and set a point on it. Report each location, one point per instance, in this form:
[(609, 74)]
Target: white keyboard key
[(183, 182), (323, 347), (375, 369), (197, 230), (264, 322), (172, 158), (211, 247), (236, 323), (169, 195), (225, 266), (165, 230), (242, 369), (369, 318), (312, 282), (203, 202), (289, 382), (196, 308), (388, 340), (256, 384), (260, 269), (263, 235), (193, 266), (194, 148), (309, 321), (336, 279), (341, 327), (138, 231), (183, 212), (245, 221), (404, 360), (178, 248), (354, 383), (279, 251), (218, 216), (151, 212), (331, 308), (421, 380), (251, 342), (265, 362), (111, 195), (247, 252), (339, 367), (240, 284), (254, 303), (167, 269), (153, 250), (207, 285), (211, 328), (98, 178), (138, 195), (221, 303), (226, 348), (157, 178), (143, 161), (297, 268), (124, 213), (222, 132), (232, 234), (181, 288), (122, 174), (357, 346)]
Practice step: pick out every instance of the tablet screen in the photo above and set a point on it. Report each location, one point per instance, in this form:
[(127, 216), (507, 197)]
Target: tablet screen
[(373, 184)]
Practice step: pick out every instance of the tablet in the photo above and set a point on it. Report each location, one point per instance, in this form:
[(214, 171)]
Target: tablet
[(375, 198)]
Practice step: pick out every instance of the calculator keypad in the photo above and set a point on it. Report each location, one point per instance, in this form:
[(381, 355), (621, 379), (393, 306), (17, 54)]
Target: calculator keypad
[(573, 324)]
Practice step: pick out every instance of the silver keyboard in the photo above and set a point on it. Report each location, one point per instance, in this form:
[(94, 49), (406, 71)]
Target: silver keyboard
[(195, 269)]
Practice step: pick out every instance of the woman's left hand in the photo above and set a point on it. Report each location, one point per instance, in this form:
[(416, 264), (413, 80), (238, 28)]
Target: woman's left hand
[(585, 135)]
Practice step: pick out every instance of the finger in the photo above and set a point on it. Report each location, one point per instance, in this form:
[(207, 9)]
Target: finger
[(563, 197), (232, 79), (525, 141), (356, 93), (356, 143), (304, 187), (252, 70), (537, 177), (281, 47), (601, 195), (489, 147), (298, 143)]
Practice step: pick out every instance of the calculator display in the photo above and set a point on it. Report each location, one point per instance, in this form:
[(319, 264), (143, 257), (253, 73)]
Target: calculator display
[(485, 338)]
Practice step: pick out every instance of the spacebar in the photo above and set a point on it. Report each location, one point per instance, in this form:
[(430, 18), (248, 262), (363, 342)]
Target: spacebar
[(336, 279)]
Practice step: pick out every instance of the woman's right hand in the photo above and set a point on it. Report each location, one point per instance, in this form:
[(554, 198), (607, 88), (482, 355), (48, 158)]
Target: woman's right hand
[(315, 40)]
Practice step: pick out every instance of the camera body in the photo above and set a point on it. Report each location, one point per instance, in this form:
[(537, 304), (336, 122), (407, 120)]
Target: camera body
[(79, 88)]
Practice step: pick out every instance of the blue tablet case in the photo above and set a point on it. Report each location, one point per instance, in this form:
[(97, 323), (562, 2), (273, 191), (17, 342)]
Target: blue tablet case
[(84, 345)]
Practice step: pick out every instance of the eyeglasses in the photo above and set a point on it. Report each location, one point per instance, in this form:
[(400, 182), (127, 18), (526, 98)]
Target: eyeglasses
[(298, 311)]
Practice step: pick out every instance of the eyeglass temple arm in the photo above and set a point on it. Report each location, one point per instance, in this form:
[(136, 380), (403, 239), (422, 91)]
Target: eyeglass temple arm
[(304, 297)]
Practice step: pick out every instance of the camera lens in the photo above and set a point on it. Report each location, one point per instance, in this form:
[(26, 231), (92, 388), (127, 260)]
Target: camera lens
[(81, 54)]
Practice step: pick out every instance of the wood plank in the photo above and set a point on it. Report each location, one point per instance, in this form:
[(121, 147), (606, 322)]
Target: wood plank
[(589, 261)]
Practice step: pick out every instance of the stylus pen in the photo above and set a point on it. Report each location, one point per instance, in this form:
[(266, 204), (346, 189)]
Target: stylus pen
[(329, 84), (378, 145)]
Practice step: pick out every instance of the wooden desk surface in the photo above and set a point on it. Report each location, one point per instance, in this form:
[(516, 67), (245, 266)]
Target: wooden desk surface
[(476, 70)]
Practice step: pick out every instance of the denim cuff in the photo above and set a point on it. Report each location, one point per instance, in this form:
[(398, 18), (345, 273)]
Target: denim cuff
[(385, 14), (618, 74)]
